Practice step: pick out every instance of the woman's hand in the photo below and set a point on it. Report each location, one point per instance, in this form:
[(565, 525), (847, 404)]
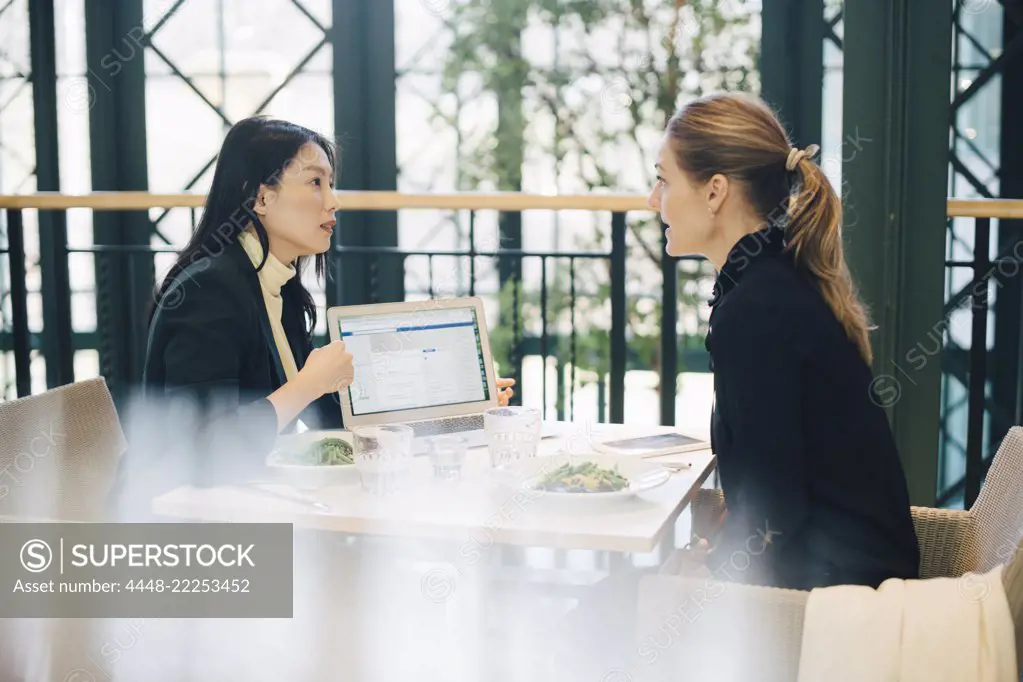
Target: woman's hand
[(504, 391), (328, 369)]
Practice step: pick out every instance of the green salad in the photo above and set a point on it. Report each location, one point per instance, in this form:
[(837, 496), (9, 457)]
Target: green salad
[(324, 452), (583, 478)]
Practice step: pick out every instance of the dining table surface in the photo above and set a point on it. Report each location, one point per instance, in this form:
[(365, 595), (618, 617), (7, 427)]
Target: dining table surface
[(470, 509)]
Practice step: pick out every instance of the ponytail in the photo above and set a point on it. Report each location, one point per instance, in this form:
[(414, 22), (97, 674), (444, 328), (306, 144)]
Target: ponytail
[(814, 235), (739, 136)]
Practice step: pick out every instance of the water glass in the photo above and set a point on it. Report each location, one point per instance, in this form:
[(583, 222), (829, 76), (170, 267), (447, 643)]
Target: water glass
[(383, 456), (512, 433), (447, 453)]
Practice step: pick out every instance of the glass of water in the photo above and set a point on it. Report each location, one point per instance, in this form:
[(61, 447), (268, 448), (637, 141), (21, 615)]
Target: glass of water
[(447, 453), (383, 456), (513, 433)]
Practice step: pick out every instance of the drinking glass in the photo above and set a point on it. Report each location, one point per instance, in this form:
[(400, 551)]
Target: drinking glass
[(512, 433), (383, 456), (447, 453)]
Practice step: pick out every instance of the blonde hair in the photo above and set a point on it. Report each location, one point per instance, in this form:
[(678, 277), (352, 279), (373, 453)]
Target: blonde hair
[(740, 137)]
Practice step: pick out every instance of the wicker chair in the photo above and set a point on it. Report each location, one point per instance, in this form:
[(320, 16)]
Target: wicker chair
[(766, 624), (59, 453), (953, 543)]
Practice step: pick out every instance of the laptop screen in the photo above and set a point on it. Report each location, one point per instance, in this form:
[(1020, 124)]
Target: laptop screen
[(416, 359)]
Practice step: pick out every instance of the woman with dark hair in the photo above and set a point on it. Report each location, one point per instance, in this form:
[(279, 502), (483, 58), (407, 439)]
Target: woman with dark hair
[(230, 362), (232, 315)]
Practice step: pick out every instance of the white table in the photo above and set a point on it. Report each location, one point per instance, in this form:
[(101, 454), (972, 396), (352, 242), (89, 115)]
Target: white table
[(465, 520), (465, 510)]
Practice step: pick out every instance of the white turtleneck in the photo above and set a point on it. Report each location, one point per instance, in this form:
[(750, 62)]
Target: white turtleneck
[(271, 278)]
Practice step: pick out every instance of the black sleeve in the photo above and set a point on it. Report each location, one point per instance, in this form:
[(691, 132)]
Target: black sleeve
[(207, 335), (758, 397), (324, 413)]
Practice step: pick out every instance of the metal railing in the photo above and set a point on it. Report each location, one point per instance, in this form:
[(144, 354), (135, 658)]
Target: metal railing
[(551, 339), (546, 343), (984, 271)]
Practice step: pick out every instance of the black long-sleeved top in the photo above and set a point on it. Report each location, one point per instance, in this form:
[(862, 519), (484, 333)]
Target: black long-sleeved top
[(210, 364), (814, 488)]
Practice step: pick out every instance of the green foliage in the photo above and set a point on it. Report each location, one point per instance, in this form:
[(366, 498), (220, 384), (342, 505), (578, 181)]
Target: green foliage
[(629, 66)]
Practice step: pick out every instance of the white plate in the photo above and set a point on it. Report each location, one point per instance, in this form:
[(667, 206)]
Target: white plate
[(310, 476), (525, 474)]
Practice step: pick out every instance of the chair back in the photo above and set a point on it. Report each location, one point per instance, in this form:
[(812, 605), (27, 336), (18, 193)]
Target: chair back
[(998, 510), (59, 453), (714, 629)]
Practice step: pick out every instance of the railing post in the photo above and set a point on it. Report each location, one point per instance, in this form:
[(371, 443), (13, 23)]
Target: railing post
[(619, 318), (543, 335), (559, 396), (19, 303), (572, 339), (516, 344), (472, 253), (669, 334), (978, 360), (57, 342)]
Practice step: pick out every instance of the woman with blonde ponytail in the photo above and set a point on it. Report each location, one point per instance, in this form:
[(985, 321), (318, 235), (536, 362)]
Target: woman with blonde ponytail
[(814, 489)]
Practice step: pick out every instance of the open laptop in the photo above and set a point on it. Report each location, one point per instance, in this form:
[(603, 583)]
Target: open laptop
[(424, 363)]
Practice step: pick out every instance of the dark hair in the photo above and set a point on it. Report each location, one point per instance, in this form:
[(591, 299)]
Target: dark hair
[(740, 137), (256, 151)]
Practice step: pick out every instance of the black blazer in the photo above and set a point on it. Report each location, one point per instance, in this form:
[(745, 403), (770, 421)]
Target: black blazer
[(211, 362), (815, 491)]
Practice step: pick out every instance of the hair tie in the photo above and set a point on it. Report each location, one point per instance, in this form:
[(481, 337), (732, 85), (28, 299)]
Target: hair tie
[(797, 155)]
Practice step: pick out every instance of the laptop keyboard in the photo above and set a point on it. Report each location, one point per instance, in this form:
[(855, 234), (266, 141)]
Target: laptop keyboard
[(437, 427)]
